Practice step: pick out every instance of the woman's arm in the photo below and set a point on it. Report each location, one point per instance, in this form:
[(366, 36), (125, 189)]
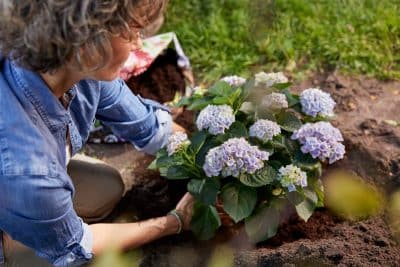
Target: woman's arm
[(132, 235)]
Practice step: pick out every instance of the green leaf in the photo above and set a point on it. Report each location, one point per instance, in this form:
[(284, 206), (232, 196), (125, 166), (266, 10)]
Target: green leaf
[(220, 100), (262, 177), (237, 129), (305, 161), (201, 103), (276, 164), (288, 121), (236, 99), (278, 142), (153, 165), (281, 86), (220, 88), (316, 185), (238, 200), (201, 155), (184, 101), (264, 223), (162, 160), (163, 171), (305, 202), (205, 221), (166, 161), (197, 141), (205, 190), (177, 173), (292, 146), (292, 99)]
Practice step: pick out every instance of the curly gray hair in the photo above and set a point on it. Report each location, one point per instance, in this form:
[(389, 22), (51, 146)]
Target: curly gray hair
[(44, 35)]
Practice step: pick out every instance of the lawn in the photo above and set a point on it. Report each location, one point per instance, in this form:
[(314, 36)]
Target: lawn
[(299, 36)]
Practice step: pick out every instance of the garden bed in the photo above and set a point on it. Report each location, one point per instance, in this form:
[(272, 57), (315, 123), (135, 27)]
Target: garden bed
[(373, 153)]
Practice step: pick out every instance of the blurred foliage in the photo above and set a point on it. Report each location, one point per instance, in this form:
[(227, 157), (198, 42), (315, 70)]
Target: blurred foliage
[(351, 197), (394, 214), (115, 258), (224, 37), (223, 256)]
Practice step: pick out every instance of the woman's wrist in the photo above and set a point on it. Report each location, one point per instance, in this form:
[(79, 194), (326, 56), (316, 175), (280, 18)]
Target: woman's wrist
[(172, 224), (179, 218)]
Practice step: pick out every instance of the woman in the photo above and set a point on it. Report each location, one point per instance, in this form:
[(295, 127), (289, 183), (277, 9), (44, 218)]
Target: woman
[(59, 70)]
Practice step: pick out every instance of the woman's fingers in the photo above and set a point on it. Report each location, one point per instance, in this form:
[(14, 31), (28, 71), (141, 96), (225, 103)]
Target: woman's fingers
[(185, 207)]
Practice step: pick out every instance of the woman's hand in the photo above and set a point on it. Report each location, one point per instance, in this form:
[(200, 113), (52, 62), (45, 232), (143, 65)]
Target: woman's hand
[(185, 209)]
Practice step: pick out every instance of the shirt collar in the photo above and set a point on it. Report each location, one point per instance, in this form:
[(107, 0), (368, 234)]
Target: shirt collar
[(46, 103)]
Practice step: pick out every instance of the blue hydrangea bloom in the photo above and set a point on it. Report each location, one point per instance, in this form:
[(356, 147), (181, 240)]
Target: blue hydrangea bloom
[(215, 118), (176, 142), (264, 130), (234, 157), (291, 176), (321, 140), (315, 102), (234, 80)]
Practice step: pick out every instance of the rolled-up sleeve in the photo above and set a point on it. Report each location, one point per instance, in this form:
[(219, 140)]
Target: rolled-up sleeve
[(39, 213), (145, 123)]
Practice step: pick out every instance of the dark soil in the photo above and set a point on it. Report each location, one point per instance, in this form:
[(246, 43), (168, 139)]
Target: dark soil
[(161, 81), (373, 153)]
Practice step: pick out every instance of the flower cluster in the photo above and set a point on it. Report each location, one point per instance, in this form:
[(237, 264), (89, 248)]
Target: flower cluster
[(274, 101), (176, 142), (290, 176), (264, 130), (234, 80), (321, 140), (316, 102), (215, 118), (234, 157), (269, 79)]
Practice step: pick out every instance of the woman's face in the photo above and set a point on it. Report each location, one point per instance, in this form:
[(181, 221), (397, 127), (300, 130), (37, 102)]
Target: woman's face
[(121, 49)]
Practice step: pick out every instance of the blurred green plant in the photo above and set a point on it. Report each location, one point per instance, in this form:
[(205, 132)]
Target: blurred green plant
[(351, 197), (240, 36), (394, 215), (116, 258), (223, 256)]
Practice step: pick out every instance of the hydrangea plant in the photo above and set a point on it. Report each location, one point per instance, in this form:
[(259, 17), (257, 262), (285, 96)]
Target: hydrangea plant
[(258, 147)]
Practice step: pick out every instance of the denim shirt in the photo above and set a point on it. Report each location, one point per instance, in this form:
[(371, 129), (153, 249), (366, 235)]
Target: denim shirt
[(35, 190)]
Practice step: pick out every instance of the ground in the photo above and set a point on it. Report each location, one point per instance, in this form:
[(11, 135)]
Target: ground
[(373, 153)]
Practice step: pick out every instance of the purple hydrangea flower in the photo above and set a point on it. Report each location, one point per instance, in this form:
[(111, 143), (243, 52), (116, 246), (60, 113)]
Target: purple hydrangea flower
[(321, 140), (176, 142), (274, 101), (215, 118), (234, 157), (269, 79), (291, 176), (316, 102), (234, 80), (264, 130)]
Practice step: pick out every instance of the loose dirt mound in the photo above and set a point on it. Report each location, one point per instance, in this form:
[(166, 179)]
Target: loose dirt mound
[(373, 152), (161, 80)]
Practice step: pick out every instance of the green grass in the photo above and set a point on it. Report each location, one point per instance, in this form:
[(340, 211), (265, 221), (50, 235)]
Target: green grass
[(224, 37)]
